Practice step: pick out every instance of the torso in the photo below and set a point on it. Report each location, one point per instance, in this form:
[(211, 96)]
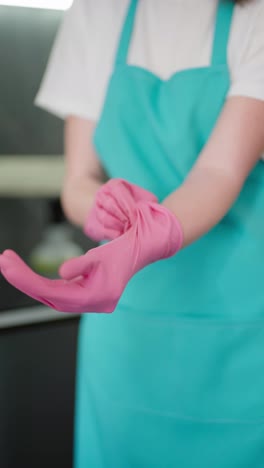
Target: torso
[(169, 35), (174, 377)]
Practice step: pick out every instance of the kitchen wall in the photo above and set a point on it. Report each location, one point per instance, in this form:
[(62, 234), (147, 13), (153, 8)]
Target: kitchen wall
[(26, 36), (37, 345)]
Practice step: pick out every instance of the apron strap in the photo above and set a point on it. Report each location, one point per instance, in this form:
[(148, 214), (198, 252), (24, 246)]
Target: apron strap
[(223, 23), (126, 33)]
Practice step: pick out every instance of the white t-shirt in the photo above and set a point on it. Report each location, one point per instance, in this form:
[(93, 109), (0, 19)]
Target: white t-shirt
[(168, 36)]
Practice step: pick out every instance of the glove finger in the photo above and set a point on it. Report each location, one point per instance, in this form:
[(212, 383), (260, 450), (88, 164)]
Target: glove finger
[(110, 204), (123, 197), (12, 263), (77, 267), (120, 187), (109, 221), (20, 275), (99, 233), (118, 211), (140, 194), (61, 295), (100, 225), (10, 253)]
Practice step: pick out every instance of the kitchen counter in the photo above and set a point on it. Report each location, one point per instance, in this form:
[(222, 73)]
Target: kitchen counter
[(31, 315)]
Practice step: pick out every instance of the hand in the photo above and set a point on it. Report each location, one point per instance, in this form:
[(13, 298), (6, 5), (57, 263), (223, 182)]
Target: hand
[(95, 281), (114, 209), (156, 234), (90, 292)]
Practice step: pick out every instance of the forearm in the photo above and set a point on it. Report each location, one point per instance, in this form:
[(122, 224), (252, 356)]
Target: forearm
[(77, 198), (83, 172), (202, 201), (219, 174)]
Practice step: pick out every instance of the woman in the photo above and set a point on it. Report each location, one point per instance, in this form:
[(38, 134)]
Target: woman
[(175, 376)]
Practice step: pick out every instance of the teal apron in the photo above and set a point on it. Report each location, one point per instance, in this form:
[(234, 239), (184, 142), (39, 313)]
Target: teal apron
[(175, 376)]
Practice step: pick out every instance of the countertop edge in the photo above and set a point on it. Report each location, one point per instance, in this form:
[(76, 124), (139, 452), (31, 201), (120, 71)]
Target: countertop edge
[(14, 318)]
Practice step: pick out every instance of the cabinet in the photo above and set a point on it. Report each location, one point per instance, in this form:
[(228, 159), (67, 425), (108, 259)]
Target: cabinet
[(37, 386)]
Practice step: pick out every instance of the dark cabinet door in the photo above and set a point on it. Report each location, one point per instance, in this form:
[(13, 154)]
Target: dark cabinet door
[(37, 386)]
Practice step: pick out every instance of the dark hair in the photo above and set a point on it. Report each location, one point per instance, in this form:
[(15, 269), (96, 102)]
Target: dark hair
[(241, 1)]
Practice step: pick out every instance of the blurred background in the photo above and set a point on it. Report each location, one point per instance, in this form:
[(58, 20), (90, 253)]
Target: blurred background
[(37, 344)]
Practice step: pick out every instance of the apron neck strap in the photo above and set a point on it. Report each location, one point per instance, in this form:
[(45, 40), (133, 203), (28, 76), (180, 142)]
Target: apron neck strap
[(220, 44), (126, 33), (222, 29)]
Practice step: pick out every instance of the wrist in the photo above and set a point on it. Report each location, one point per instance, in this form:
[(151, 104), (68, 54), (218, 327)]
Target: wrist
[(174, 229), (159, 229), (77, 199)]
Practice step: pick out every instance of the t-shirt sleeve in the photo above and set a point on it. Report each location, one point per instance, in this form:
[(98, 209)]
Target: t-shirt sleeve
[(80, 62), (248, 70)]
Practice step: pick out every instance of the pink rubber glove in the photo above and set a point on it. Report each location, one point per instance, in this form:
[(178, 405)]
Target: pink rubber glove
[(95, 281), (156, 234), (113, 211)]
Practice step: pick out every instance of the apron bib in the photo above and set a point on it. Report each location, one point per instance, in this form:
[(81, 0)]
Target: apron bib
[(175, 376)]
